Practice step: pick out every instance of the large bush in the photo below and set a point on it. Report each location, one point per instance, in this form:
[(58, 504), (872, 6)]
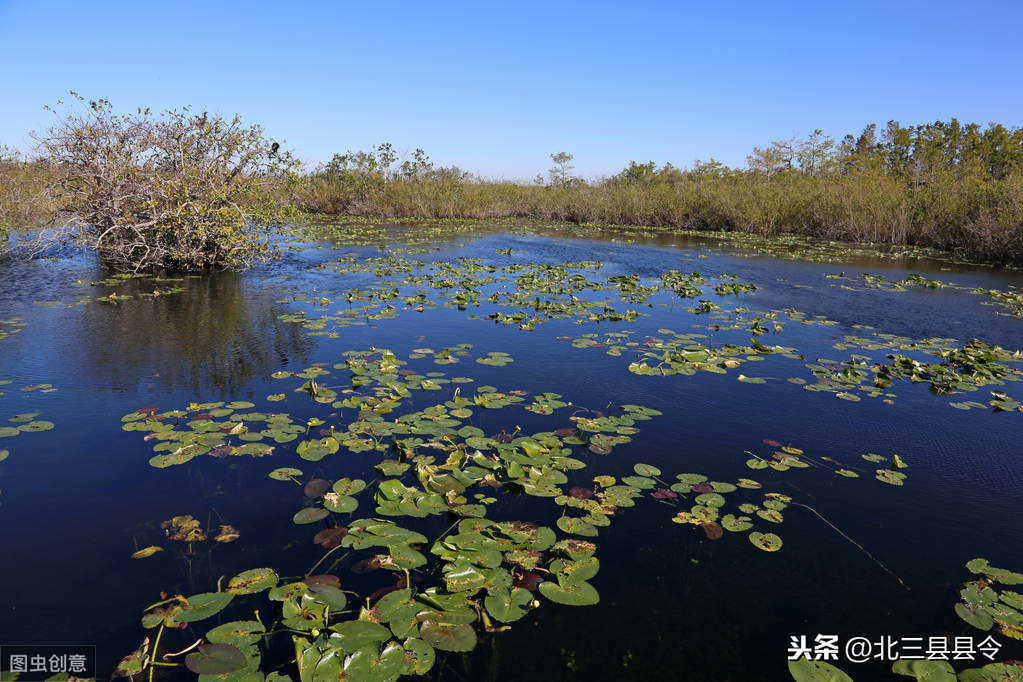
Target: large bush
[(175, 190)]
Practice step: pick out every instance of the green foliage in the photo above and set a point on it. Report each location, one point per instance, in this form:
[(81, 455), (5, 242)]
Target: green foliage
[(948, 185), (179, 189)]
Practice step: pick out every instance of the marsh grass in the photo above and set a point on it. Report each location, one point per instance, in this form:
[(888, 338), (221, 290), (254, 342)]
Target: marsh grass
[(973, 218)]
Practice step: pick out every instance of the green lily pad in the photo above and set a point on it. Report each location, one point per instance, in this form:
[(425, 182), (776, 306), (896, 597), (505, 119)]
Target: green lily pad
[(390, 467), (573, 524), (1013, 599), (310, 515), (975, 615), (348, 486), (203, 605), (772, 515), (338, 504), (890, 477), (573, 594), (420, 655), (506, 605), (646, 470), (356, 634), (926, 671), (216, 659), (993, 672), (805, 670), (252, 581), (769, 542), (456, 638), (240, 632), (285, 473), (736, 524)]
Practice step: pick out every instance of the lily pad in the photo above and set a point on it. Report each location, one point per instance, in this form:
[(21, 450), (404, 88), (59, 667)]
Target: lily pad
[(285, 474), (975, 615), (646, 470), (216, 659), (805, 670), (310, 515), (456, 638), (202, 606), (736, 524), (890, 477), (573, 594), (252, 581), (33, 427), (769, 542), (925, 670), (507, 605)]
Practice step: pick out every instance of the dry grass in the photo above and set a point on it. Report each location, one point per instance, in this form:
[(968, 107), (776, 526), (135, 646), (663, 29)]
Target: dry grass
[(976, 218)]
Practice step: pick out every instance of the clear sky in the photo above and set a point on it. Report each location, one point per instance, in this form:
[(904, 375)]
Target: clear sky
[(496, 87)]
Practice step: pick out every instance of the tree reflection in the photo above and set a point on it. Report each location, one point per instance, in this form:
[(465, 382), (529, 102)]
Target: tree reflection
[(221, 331)]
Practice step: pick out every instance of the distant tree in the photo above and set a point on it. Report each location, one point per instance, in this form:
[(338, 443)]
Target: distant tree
[(638, 173), (768, 160), (418, 167), (816, 153), (561, 174), (707, 169)]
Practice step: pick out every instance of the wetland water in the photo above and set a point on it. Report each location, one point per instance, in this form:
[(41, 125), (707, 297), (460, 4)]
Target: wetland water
[(430, 377)]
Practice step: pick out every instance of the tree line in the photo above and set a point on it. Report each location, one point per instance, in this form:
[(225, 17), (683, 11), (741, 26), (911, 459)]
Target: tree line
[(189, 189)]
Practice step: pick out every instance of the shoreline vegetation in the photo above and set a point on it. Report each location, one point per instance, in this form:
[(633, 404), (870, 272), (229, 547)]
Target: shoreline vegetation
[(947, 185)]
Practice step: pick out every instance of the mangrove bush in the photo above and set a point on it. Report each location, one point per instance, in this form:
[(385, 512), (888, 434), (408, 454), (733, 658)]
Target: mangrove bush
[(180, 189)]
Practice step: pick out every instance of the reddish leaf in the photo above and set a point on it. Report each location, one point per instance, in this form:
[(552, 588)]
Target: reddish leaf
[(712, 530), (566, 431), (703, 488), (529, 581), (329, 538), (664, 494), (325, 579), (580, 493), (773, 443), (317, 487)]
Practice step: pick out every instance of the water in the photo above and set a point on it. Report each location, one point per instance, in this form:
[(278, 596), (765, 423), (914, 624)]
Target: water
[(79, 499)]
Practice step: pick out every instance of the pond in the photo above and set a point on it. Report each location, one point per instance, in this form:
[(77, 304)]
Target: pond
[(513, 451)]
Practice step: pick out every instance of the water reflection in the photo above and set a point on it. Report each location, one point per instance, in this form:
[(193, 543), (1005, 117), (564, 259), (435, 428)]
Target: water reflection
[(213, 337)]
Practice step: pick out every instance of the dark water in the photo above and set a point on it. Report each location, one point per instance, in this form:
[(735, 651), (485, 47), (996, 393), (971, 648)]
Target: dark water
[(79, 499)]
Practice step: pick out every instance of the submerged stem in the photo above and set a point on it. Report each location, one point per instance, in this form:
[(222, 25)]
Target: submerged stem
[(156, 646), (322, 558), (861, 547)]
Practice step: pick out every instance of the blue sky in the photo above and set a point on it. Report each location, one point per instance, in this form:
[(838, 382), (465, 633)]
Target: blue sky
[(496, 87)]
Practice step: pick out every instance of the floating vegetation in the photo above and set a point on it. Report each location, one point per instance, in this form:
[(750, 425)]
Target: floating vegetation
[(479, 570), (441, 502), (10, 326), (25, 422), (983, 607)]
